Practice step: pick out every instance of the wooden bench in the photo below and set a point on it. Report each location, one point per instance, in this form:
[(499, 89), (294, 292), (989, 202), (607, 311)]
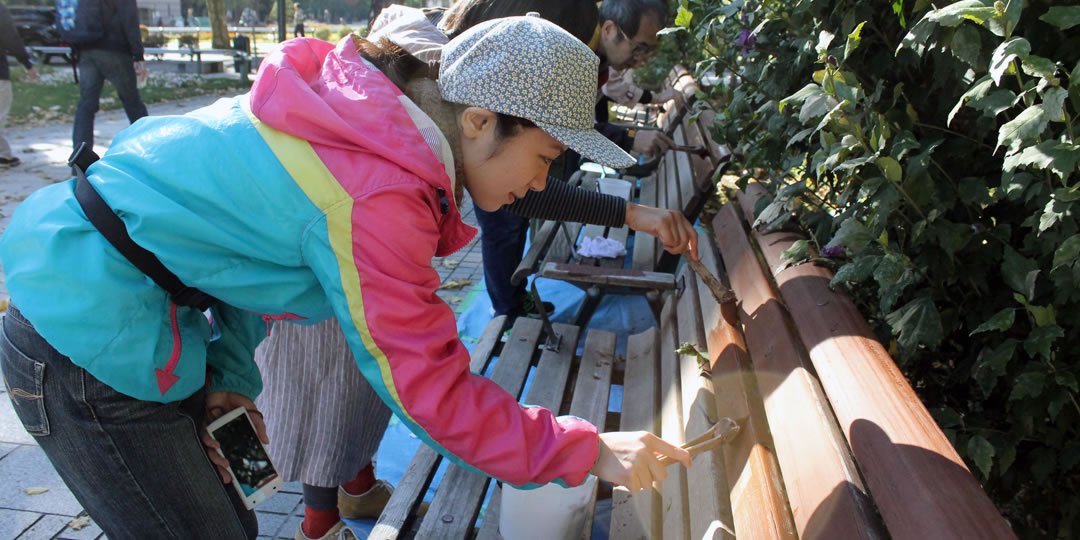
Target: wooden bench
[(833, 443), (683, 182)]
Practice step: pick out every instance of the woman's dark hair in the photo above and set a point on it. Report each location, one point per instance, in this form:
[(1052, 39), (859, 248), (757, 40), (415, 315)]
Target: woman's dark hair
[(507, 126), (627, 14), (579, 17)]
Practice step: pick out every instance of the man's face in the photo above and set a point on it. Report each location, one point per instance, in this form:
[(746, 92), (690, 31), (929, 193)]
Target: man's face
[(623, 51)]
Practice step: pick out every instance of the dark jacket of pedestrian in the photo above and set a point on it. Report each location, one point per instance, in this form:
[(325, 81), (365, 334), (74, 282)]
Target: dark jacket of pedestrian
[(121, 29), (10, 44)]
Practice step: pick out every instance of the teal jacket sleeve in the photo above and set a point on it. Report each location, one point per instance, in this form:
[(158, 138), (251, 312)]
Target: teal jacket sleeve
[(231, 357)]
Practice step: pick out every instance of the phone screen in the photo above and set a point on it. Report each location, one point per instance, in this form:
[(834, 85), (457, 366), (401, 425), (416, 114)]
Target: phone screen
[(246, 455)]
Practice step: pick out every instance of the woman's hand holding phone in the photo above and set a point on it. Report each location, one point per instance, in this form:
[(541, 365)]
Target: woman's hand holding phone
[(217, 404)]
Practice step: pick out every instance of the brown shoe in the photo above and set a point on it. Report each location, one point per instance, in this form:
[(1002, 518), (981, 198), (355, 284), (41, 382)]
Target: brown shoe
[(339, 531), (366, 505)]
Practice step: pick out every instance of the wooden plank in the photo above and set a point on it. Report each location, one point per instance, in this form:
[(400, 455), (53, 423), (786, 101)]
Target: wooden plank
[(671, 182), (410, 490), (675, 519), (590, 399), (688, 193), (461, 491), (703, 168), (644, 257), (639, 517), (828, 499), (577, 273), (758, 503), (547, 389), (707, 495), (918, 481), (541, 241)]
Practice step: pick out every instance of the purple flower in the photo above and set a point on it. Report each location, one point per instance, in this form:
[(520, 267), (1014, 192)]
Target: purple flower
[(832, 252), (746, 39)]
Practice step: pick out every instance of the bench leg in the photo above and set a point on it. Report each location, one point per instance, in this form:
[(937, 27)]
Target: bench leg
[(593, 295), (655, 302)]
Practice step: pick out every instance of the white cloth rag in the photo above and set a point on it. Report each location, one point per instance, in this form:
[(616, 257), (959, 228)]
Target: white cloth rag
[(601, 247)]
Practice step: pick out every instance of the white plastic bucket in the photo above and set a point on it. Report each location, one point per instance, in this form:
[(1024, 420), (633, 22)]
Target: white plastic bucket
[(549, 512)]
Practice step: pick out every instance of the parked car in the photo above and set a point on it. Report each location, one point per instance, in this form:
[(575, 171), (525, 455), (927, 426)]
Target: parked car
[(37, 26)]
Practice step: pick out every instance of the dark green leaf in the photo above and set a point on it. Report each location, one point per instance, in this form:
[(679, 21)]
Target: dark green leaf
[(982, 453), (892, 169), (916, 39), (800, 136), (856, 271), (966, 45), (1015, 270), (811, 89), (954, 14), (1063, 17), (1054, 103), (1067, 252), (851, 235), (974, 191), (1057, 403), (1013, 10), (1029, 384), (917, 322), (1041, 340), (797, 253), (893, 276), (947, 417), (1001, 321), (992, 364), (1038, 66), (1067, 380), (977, 91), (1025, 127), (1056, 156), (1015, 48), (1070, 456), (1008, 457), (1014, 184), (1056, 209), (995, 102), (815, 107), (1042, 464), (670, 30)]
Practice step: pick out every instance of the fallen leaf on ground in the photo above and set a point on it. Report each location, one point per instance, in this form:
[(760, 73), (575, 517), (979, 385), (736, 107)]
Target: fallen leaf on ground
[(450, 264), (452, 299), (79, 522), (3, 305), (455, 284), (35, 490)]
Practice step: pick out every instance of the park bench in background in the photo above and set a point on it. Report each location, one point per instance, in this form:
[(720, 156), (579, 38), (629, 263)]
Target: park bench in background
[(682, 181)]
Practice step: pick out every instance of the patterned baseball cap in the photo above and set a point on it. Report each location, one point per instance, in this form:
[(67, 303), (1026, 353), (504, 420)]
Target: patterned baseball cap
[(530, 68)]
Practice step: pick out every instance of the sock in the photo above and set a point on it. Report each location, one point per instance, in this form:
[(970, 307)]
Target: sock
[(362, 483), (317, 522)]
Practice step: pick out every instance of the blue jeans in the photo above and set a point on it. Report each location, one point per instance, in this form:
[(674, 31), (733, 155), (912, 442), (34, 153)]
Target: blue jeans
[(137, 467), (95, 67), (502, 243)]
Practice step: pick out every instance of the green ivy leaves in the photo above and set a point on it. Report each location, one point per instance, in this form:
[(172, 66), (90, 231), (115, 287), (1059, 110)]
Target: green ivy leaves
[(1063, 17)]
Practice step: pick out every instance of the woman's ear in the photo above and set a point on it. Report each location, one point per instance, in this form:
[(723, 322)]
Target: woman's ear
[(477, 123)]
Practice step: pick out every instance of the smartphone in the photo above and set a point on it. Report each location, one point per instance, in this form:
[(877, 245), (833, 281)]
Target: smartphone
[(253, 475)]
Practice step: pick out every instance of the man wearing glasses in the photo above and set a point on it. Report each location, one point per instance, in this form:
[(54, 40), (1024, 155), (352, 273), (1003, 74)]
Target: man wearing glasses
[(627, 38)]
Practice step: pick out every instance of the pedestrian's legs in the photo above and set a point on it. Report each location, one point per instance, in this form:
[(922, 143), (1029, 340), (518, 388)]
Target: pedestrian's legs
[(120, 71), (502, 242), (91, 79), (137, 467), (5, 107)]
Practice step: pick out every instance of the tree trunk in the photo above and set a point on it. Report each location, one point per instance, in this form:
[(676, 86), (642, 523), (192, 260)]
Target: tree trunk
[(218, 24)]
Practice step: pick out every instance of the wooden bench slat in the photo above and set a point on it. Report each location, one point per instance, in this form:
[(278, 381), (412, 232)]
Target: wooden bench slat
[(758, 503), (688, 194), (644, 257), (638, 517), (580, 273), (707, 485), (453, 511), (827, 497), (591, 390), (918, 481), (675, 510), (410, 490), (671, 182)]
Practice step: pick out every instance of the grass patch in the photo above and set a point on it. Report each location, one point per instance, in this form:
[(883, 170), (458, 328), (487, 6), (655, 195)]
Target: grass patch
[(55, 97)]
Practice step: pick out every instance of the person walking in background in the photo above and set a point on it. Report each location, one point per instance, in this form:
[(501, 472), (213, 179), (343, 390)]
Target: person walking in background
[(298, 18), (10, 44), (116, 56)]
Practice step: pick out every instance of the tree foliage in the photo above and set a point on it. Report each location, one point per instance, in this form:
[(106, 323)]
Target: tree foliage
[(929, 151)]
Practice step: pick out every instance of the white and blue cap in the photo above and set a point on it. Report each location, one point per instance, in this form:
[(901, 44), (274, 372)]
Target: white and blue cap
[(530, 68)]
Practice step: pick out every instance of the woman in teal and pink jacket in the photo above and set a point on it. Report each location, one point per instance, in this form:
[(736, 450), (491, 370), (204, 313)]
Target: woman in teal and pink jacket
[(324, 192)]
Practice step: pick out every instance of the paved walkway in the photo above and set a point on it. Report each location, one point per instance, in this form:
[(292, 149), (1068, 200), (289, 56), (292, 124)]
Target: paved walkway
[(23, 466)]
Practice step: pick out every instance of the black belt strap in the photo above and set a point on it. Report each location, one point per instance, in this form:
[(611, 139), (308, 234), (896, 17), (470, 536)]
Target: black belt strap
[(112, 228)]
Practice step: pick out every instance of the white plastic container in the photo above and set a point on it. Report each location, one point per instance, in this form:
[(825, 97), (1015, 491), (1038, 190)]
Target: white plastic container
[(549, 512)]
